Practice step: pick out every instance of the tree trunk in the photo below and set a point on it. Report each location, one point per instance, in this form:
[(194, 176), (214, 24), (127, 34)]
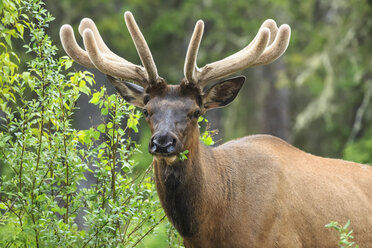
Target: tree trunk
[(275, 119)]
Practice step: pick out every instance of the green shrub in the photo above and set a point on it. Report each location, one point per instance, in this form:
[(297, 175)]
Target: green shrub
[(44, 159)]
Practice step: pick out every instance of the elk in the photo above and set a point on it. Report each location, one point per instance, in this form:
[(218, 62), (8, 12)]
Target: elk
[(256, 191)]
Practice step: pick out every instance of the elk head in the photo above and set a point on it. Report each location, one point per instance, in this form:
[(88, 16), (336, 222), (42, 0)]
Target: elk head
[(172, 111)]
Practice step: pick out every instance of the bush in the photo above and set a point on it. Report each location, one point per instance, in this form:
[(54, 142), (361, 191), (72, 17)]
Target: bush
[(44, 159)]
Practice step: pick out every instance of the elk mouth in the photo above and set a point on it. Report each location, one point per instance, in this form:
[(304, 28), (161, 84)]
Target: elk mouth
[(164, 155), (169, 160), (169, 156)]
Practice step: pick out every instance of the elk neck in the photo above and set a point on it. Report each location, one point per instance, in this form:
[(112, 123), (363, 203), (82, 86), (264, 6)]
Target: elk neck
[(180, 186)]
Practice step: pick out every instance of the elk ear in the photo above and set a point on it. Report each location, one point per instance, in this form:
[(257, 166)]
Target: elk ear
[(222, 93), (132, 93)]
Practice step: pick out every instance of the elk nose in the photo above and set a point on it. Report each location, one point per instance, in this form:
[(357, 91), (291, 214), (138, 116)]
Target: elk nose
[(162, 143)]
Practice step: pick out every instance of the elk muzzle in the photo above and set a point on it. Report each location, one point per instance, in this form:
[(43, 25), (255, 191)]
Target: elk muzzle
[(163, 144)]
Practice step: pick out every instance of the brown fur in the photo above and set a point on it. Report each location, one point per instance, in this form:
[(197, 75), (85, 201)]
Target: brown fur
[(257, 191)]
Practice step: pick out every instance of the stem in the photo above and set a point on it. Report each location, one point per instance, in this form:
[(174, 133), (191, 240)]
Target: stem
[(40, 144), (140, 182), (138, 226), (23, 151), (66, 164), (10, 208), (103, 198), (95, 235), (50, 169), (113, 157), (126, 226), (152, 228), (39, 147)]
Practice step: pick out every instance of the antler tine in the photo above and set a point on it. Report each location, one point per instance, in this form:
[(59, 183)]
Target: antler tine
[(142, 48), (88, 23), (71, 47), (191, 68), (122, 70), (237, 61), (277, 48), (271, 25), (268, 45), (98, 55)]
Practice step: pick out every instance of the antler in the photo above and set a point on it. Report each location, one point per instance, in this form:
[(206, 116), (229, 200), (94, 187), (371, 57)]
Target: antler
[(98, 55), (268, 45)]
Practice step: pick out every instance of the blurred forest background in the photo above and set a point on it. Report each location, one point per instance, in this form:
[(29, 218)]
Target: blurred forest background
[(54, 133), (316, 96)]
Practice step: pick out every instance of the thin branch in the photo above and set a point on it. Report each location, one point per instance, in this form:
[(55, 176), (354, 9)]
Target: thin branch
[(150, 230), (95, 235), (23, 150), (360, 113)]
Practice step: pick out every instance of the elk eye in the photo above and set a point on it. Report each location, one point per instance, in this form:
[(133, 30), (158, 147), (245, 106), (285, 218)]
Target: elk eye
[(145, 113), (197, 113)]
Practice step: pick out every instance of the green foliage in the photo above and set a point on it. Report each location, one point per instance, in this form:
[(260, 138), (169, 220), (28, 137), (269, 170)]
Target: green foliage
[(344, 234), (207, 138), (44, 159), (183, 155), (360, 150), (10, 12), (330, 69), (207, 134), (165, 236)]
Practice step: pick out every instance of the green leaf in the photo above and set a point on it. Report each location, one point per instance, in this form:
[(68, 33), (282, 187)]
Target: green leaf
[(26, 75), (132, 123), (95, 98), (125, 168), (104, 111), (96, 135), (25, 16), (19, 28), (347, 224), (83, 88), (68, 63), (82, 136), (101, 128), (41, 198), (8, 40), (89, 79), (207, 139), (59, 210), (182, 156), (121, 131)]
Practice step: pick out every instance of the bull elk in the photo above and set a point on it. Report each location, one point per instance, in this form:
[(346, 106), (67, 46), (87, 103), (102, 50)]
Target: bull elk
[(257, 191)]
